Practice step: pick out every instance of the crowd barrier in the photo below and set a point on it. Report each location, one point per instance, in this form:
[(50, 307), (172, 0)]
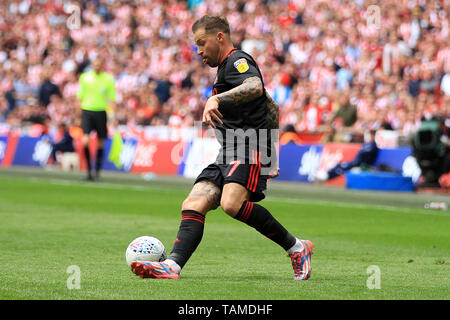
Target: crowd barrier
[(298, 163)]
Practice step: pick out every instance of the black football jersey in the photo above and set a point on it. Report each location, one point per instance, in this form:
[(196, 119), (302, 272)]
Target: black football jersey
[(234, 69), (242, 123)]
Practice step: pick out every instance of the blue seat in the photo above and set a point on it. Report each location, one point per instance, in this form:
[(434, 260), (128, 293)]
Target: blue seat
[(384, 181)]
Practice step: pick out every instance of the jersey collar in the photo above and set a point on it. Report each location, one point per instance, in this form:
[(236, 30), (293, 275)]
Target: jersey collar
[(228, 54)]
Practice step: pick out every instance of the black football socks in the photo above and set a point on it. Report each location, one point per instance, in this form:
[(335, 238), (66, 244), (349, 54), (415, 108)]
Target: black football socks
[(259, 218), (98, 163), (87, 156), (189, 236), (192, 225)]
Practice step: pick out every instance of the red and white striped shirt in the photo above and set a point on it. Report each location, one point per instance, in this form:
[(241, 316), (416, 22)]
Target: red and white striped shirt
[(443, 58), (332, 42), (70, 89)]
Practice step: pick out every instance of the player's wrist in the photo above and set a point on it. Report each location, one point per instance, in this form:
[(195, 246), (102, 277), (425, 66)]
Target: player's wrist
[(215, 99)]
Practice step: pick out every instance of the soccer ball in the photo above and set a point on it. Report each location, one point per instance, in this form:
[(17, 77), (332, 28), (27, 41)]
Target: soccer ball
[(145, 248)]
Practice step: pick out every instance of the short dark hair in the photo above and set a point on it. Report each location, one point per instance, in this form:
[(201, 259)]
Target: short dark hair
[(212, 23)]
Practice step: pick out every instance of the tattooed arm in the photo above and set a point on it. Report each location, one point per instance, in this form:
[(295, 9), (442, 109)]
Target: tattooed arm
[(274, 123), (249, 90), (274, 112)]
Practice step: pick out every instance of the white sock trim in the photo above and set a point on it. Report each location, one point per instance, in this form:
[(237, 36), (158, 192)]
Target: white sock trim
[(173, 265), (298, 246)]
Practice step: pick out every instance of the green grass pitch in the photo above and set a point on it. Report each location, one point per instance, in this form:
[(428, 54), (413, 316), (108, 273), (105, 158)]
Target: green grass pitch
[(47, 225)]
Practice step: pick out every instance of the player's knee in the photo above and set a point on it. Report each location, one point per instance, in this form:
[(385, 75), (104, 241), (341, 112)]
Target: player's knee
[(230, 207), (188, 204), (192, 203)]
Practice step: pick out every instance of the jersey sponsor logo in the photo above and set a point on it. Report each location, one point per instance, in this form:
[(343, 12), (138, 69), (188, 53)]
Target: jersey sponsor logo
[(241, 65)]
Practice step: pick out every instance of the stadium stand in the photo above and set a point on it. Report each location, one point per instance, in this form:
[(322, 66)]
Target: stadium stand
[(329, 64)]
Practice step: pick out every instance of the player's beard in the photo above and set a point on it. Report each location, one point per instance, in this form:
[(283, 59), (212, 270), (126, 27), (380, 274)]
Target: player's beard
[(217, 62)]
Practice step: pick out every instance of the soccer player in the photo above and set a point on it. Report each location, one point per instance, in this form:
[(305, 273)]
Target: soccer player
[(239, 107), (96, 92)]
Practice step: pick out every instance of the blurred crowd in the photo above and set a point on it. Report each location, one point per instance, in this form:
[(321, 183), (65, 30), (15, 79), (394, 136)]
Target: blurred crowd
[(343, 65)]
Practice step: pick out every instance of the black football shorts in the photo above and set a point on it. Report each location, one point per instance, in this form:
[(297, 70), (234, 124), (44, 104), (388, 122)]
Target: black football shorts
[(247, 175), (94, 120)]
